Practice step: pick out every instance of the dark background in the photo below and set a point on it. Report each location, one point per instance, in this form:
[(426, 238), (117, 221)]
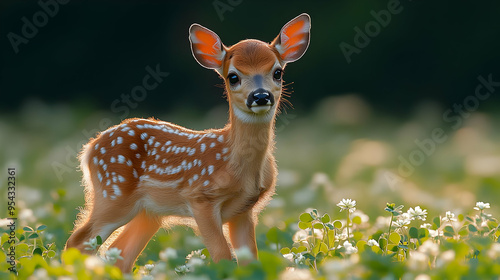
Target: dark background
[(91, 52)]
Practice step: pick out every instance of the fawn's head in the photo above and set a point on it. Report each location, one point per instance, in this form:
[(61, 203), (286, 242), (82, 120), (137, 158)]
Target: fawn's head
[(252, 70)]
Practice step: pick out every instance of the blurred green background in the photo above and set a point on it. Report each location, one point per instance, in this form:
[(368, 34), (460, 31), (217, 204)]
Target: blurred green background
[(350, 126)]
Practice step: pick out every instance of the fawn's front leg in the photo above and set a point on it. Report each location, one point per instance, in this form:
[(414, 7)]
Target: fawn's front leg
[(208, 219), (242, 232)]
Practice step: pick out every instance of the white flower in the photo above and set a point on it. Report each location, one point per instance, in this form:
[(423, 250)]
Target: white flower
[(435, 233), (347, 204), (445, 258), (349, 249), (288, 256), (194, 262), (494, 251), (318, 233), (182, 269), (300, 236), (429, 248), (27, 215), (426, 225), (244, 254), (196, 254), (372, 242), (299, 258), (418, 261), (168, 254), (148, 267), (92, 244), (293, 273), (113, 254), (449, 217), (481, 206), (93, 262), (403, 220), (423, 277), (417, 213)]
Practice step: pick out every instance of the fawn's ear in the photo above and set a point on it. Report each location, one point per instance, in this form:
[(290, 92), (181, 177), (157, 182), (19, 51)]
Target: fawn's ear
[(293, 40), (206, 46)]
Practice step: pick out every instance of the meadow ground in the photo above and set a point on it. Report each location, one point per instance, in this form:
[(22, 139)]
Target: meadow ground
[(341, 149)]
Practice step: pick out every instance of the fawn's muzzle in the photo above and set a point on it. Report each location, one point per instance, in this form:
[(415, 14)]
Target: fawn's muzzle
[(260, 98)]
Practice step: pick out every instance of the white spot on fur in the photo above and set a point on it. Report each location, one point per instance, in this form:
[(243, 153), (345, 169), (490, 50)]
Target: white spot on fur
[(131, 133), (212, 145), (104, 193), (210, 169), (116, 190), (96, 146), (217, 156), (101, 161), (121, 178), (225, 150), (135, 173), (119, 140), (221, 138), (95, 160), (203, 147), (206, 183), (113, 143), (112, 160), (144, 135), (133, 146), (121, 159)]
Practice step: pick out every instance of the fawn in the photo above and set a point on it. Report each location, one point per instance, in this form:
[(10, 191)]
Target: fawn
[(145, 173)]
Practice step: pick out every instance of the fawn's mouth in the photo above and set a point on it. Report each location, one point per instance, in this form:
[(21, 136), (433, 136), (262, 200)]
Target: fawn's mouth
[(260, 109)]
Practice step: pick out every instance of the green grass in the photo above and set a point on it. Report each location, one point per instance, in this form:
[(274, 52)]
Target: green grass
[(342, 149)]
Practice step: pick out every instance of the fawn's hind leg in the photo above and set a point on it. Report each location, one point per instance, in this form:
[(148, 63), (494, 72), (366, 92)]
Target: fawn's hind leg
[(102, 221), (134, 238)]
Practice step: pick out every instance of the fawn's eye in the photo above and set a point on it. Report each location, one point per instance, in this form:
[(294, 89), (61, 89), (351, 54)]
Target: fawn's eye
[(233, 79), (277, 74)]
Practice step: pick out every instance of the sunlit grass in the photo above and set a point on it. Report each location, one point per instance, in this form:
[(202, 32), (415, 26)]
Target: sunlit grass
[(342, 149)]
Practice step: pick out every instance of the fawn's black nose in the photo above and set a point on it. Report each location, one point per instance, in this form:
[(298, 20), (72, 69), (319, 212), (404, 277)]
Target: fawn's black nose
[(260, 97)]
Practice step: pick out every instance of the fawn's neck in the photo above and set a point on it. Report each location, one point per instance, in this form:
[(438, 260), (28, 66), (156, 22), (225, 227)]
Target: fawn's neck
[(250, 141)]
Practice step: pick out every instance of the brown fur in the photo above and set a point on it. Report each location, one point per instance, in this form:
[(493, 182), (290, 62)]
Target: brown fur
[(143, 173)]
